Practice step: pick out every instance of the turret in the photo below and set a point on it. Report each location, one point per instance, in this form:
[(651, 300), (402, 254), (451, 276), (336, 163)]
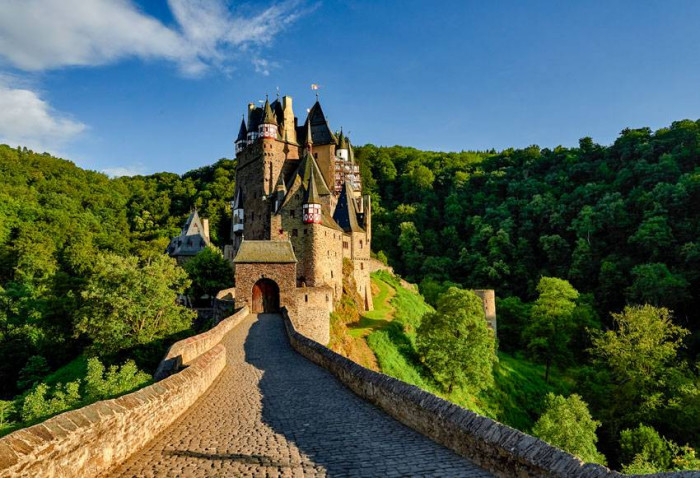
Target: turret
[(268, 126), (242, 140), (343, 151), (238, 212), (312, 202)]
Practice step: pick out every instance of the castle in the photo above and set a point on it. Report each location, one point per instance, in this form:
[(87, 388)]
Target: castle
[(298, 212)]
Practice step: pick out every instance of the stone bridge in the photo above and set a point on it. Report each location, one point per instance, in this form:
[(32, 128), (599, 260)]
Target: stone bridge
[(253, 397), (272, 413)]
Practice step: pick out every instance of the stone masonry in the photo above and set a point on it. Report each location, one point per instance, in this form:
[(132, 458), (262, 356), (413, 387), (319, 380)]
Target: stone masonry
[(273, 413)]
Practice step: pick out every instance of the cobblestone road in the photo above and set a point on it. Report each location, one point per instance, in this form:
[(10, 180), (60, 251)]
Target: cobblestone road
[(273, 413)]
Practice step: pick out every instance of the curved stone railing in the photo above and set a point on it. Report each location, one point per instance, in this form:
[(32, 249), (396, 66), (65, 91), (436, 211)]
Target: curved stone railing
[(502, 450), (89, 441), (183, 352)]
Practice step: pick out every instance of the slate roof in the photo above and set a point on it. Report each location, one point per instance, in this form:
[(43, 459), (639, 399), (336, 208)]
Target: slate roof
[(307, 164), (265, 252), (238, 200), (243, 132), (320, 131), (342, 141), (269, 116), (346, 212), (255, 120), (191, 239), (311, 196)]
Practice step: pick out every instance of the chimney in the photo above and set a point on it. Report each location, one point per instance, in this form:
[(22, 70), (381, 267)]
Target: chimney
[(289, 119), (205, 226)]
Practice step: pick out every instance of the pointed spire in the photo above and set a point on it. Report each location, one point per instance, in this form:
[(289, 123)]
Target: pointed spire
[(269, 117), (243, 132), (342, 140), (238, 200), (345, 212), (311, 196), (309, 136)]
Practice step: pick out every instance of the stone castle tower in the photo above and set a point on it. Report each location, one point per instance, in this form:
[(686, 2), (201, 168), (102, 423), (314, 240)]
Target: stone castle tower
[(298, 211)]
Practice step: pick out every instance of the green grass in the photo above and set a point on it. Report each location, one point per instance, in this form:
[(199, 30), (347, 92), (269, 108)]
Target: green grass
[(380, 316), (73, 370), (519, 390)]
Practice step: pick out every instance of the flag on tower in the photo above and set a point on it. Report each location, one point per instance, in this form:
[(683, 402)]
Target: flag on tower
[(314, 86)]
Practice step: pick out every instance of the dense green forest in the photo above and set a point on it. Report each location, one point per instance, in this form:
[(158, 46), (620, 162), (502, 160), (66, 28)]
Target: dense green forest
[(81, 261), (608, 228), (570, 238)]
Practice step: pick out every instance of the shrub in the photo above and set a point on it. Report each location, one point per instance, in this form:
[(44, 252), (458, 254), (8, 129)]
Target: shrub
[(567, 424), (646, 443)]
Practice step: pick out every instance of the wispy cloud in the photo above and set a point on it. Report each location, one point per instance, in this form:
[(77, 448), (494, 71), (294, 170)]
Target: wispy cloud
[(27, 120), (38, 35), (44, 34)]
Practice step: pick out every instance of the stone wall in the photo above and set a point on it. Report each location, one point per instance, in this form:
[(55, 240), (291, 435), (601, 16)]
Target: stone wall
[(185, 351), (314, 306), (502, 450), (488, 297), (87, 442), (284, 276)]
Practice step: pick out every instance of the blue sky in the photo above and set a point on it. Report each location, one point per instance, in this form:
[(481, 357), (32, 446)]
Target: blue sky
[(130, 86)]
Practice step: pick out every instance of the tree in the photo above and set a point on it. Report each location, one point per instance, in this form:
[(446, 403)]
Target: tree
[(644, 445), (567, 424), (655, 284), (209, 272), (127, 303), (550, 329), (455, 343), (640, 357)]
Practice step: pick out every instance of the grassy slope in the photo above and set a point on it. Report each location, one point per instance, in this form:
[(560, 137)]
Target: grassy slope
[(515, 399)]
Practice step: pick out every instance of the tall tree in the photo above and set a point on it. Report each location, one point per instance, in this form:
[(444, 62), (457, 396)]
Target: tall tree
[(456, 344), (550, 329)]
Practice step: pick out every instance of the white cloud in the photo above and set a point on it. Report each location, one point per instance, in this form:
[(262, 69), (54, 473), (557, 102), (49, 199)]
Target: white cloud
[(264, 66), (27, 120), (44, 34), (118, 171)]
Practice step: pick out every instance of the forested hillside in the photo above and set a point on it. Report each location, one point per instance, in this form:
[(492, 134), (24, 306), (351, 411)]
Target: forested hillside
[(594, 253), (621, 222), (83, 274)]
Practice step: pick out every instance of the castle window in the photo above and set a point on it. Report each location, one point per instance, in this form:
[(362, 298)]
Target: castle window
[(331, 274), (304, 231), (291, 213), (295, 233), (326, 297), (306, 297), (315, 155), (362, 266), (360, 244), (345, 245), (252, 216)]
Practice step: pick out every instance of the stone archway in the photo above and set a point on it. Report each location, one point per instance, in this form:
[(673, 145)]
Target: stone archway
[(266, 297)]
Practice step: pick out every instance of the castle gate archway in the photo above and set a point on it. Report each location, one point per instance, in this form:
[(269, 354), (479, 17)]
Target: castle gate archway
[(266, 296)]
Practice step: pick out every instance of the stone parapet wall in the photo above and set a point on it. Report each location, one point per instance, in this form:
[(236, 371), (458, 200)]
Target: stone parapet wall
[(87, 442), (185, 351), (498, 448)]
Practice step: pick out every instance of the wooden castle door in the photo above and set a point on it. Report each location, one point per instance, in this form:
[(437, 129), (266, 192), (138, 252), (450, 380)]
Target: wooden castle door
[(266, 297)]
